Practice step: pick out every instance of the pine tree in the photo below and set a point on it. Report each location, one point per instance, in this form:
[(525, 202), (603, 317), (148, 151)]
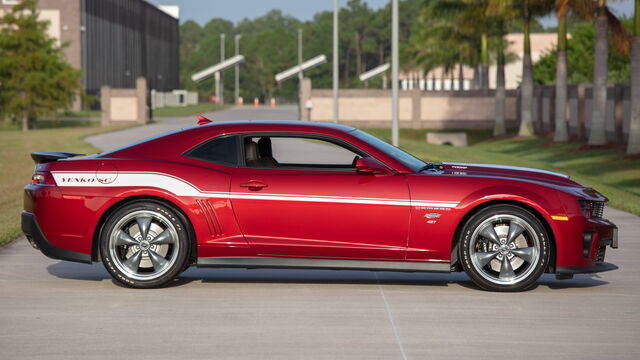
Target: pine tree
[(35, 79)]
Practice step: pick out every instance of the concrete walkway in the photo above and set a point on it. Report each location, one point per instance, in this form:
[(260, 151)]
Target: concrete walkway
[(121, 138), (60, 310)]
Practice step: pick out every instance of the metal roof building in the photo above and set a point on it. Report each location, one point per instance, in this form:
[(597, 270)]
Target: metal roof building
[(115, 41)]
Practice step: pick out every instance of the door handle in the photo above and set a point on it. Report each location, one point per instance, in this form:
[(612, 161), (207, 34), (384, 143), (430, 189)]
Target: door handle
[(253, 185)]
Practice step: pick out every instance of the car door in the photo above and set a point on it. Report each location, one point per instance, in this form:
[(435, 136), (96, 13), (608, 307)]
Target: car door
[(301, 196)]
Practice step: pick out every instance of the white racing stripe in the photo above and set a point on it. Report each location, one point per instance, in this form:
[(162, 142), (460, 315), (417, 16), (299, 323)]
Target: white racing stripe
[(180, 187)]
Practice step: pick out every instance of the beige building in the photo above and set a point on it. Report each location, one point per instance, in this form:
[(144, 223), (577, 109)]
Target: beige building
[(439, 80)]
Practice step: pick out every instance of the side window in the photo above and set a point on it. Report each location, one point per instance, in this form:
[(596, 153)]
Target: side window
[(297, 152), (221, 150)]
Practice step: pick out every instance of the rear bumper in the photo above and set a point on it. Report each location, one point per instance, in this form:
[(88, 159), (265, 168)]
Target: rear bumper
[(37, 239)]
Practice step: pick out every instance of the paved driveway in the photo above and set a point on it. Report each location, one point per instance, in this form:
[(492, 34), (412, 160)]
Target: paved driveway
[(58, 310)]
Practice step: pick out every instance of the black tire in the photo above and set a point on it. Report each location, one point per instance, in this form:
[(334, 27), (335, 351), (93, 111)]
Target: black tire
[(530, 249), (157, 263)]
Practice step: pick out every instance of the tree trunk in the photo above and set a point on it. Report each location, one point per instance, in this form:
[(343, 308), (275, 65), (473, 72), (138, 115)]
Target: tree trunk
[(358, 55), (484, 68), (561, 134), (451, 77), (433, 80), (460, 78), (476, 78), (346, 67), (500, 128), (526, 95), (597, 134), (633, 147), (25, 122)]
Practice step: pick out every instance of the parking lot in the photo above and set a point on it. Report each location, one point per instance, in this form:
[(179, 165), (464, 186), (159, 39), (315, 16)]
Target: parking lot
[(59, 310)]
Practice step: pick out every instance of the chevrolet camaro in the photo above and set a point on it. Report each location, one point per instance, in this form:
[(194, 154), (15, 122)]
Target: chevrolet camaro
[(288, 194)]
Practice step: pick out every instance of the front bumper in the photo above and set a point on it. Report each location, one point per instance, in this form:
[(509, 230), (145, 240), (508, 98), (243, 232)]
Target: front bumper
[(601, 267), (37, 239)]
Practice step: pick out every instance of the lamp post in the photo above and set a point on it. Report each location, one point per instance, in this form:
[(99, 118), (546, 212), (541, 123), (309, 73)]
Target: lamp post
[(335, 61), (237, 84), (394, 74), (222, 38)]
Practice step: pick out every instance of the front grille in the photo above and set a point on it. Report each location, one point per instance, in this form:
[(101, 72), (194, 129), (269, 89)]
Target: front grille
[(597, 209), (602, 249), (592, 209)]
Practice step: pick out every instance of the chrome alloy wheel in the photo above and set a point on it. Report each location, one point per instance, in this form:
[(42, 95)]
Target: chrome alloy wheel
[(144, 245), (504, 249)]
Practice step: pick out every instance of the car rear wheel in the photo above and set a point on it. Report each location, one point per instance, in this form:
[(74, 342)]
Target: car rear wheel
[(504, 248), (144, 244)]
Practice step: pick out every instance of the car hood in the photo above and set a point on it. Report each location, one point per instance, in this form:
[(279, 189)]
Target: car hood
[(551, 179)]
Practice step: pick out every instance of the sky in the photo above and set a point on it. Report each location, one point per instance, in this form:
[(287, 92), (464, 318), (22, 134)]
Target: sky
[(235, 10)]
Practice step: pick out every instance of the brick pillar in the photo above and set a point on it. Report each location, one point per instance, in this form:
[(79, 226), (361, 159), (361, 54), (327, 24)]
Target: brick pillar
[(141, 94), (416, 109), (105, 104), (305, 94)]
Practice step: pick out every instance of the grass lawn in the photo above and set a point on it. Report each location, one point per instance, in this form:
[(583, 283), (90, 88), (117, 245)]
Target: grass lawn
[(176, 111), (608, 170), (16, 166)]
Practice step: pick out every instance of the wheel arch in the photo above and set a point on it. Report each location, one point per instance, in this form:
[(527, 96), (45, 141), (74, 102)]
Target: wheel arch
[(456, 235), (95, 245)]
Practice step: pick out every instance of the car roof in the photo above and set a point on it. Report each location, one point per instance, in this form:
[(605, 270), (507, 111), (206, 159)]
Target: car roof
[(278, 124)]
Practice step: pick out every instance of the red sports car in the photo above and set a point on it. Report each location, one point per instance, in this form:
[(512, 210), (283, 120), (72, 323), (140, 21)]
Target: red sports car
[(284, 194)]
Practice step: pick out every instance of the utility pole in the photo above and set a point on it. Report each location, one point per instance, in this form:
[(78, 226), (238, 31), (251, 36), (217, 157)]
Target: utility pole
[(335, 61), (395, 128), (237, 84), (300, 75), (222, 38)]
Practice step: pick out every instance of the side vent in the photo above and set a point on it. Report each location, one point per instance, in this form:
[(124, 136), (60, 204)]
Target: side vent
[(210, 217)]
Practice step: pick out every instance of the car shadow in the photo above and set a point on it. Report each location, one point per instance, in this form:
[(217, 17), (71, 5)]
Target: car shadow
[(97, 272), (578, 281)]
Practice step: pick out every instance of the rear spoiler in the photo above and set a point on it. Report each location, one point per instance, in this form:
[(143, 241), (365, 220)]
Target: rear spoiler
[(43, 157)]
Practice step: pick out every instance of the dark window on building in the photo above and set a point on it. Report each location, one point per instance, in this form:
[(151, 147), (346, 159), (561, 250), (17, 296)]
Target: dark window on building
[(222, 150)]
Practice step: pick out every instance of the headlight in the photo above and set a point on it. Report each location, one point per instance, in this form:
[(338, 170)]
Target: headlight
[(591, 209)]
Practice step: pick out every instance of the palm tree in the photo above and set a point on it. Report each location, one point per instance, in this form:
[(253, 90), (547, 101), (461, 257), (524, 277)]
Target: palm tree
[(444, 40), (529, 9), (561, 133), (484, 62), (605, 21), (633, 146)]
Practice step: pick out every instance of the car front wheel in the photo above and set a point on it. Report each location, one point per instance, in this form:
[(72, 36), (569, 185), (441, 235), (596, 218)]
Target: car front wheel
[(144, 244), (504, 248)]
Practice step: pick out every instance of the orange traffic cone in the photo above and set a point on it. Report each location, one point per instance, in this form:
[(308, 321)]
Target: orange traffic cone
[(256, 102), (240, 101), (273, 102)]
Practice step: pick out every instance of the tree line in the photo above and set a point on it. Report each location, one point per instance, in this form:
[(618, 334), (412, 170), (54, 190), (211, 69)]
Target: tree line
[(472, 32), (270, 45)]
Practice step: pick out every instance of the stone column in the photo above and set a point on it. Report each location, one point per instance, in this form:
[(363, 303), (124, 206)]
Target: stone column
[(141, 95), (416, 109), (105, 104), (305, 94)]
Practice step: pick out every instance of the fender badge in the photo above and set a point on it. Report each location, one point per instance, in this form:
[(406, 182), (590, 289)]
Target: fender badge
[(432, 215)]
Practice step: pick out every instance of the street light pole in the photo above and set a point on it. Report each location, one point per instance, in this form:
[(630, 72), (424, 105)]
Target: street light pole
[(335, 61), (237, 84), (222, 38), (395, 130), (300, 74)]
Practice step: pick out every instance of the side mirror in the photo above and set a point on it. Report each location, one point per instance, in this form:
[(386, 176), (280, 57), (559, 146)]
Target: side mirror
[(369, 165)]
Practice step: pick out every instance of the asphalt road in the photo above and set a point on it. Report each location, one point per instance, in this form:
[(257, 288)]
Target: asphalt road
[(58, 310)]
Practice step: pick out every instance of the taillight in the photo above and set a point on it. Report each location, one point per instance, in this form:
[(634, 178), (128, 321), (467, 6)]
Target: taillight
[(42, 178)]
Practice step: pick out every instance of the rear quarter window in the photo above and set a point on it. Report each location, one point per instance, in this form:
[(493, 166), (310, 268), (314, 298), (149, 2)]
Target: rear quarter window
[(221, 150)]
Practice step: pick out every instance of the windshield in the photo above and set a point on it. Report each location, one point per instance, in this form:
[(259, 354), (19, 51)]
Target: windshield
[(405, 158)]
